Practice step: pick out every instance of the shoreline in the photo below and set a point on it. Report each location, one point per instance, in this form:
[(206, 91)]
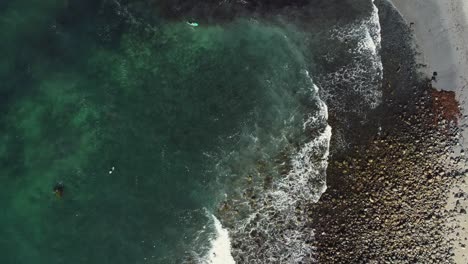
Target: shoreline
[(440, 29), (389, 206), (386, 206)]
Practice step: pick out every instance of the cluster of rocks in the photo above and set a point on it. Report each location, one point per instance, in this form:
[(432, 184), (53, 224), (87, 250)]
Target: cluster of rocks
[(386, 200)]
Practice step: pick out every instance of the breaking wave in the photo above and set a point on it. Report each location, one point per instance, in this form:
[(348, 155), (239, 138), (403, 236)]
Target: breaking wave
[(268, 225), (361, 76), (264, 221), (220, 251)]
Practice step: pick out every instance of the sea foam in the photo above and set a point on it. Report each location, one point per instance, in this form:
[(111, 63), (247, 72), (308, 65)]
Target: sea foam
[(275, 229), (220, 251), (363, 75)]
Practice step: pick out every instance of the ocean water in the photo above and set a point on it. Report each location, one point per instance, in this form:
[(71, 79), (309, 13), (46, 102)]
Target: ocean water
[(177, 140)]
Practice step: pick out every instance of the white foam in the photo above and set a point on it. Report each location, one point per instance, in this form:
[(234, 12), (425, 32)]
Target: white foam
[(363, 77), (305, 166), (273, 227), (275, 231), (220, 252)]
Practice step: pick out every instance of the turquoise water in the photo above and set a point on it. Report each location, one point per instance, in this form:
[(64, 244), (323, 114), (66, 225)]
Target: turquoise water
[(145, 124)]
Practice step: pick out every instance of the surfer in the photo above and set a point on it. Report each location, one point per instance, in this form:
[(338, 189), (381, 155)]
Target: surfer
[(193, 24), (59, 188)]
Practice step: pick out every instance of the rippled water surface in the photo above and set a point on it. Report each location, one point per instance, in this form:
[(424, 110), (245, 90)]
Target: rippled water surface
[(155, 119)]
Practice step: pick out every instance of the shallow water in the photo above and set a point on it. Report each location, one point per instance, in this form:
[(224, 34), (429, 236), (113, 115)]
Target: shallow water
[(144, 129), (151, 122)]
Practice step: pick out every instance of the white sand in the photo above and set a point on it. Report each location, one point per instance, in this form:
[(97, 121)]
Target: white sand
[(460, 225), (441, 32)]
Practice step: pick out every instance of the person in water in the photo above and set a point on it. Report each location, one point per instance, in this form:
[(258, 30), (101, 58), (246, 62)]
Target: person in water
[(59, 188)]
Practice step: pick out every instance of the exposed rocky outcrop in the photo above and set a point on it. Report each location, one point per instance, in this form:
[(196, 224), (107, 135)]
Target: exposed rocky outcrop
[(386, 201)]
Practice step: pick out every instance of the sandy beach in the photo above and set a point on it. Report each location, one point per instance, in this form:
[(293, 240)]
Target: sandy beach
[(441, 33), (440, 29)]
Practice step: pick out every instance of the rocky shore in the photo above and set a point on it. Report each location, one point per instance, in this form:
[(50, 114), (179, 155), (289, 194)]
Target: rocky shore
[(391, 175), (386, 201), (391, 194)]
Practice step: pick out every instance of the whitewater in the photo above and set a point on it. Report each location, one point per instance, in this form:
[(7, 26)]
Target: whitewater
[(306, 180), (178, 131)]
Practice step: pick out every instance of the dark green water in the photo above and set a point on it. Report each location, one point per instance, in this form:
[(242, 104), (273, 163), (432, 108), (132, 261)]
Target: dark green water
[(176, 110)]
